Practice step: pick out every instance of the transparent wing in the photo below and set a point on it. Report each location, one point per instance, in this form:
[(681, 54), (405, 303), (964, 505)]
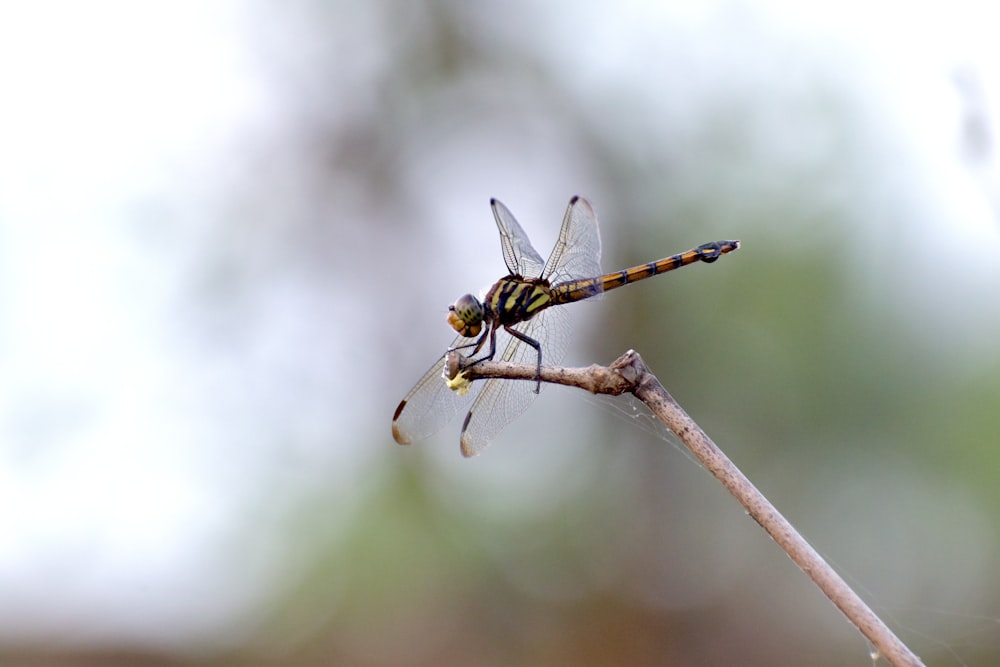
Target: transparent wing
[(430, 404), (577, 253), (521, 257), (502, 401)]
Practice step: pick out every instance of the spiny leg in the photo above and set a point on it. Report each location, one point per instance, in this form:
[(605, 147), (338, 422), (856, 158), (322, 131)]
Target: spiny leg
[(538, 349), (477, 343), (492, 332)]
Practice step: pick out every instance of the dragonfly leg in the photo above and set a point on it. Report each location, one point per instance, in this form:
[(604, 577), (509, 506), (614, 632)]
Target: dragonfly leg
[(492, 333), (477, 345), (538, 349)]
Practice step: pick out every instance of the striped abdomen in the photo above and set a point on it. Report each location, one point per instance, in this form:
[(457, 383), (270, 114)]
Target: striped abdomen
[(574, 290)]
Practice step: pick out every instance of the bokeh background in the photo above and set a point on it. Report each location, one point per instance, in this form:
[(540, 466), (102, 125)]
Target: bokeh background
[(229, 233)]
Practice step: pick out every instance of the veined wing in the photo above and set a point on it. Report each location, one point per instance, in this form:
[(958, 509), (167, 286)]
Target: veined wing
[(430, 404), (577, 252), (521, 257), (502, 401)]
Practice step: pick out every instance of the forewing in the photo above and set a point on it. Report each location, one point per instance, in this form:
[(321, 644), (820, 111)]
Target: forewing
[(521, 257), (430, 404), (502, 401), (577, 253)]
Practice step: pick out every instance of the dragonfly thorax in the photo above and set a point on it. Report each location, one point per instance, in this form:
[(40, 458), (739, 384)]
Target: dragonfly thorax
[(466, 316)]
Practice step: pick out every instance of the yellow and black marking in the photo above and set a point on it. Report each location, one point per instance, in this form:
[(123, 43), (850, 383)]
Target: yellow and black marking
[(514, 299), (575, 290)]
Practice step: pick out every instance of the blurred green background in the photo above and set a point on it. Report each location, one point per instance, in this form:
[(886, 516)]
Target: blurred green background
[(229, 233)]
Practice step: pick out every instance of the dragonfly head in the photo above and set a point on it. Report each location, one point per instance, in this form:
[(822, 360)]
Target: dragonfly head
[(466, 316)]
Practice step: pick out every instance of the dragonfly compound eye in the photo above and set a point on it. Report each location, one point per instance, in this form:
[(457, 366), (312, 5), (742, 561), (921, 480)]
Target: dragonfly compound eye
[(466, 316)]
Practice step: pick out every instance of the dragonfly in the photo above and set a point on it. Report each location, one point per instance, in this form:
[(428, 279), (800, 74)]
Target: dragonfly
[(517, 315)]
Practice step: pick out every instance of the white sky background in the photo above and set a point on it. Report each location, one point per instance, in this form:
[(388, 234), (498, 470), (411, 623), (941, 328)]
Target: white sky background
[(109, 479), (110, 465)]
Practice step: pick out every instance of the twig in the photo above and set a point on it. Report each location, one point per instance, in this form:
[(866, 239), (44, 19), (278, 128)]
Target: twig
[(629, 374)]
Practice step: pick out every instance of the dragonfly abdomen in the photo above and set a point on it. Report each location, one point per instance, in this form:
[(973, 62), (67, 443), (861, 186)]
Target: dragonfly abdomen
[(574, 290)]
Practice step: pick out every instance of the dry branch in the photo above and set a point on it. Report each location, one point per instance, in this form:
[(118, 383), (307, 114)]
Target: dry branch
[(629, 374)]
